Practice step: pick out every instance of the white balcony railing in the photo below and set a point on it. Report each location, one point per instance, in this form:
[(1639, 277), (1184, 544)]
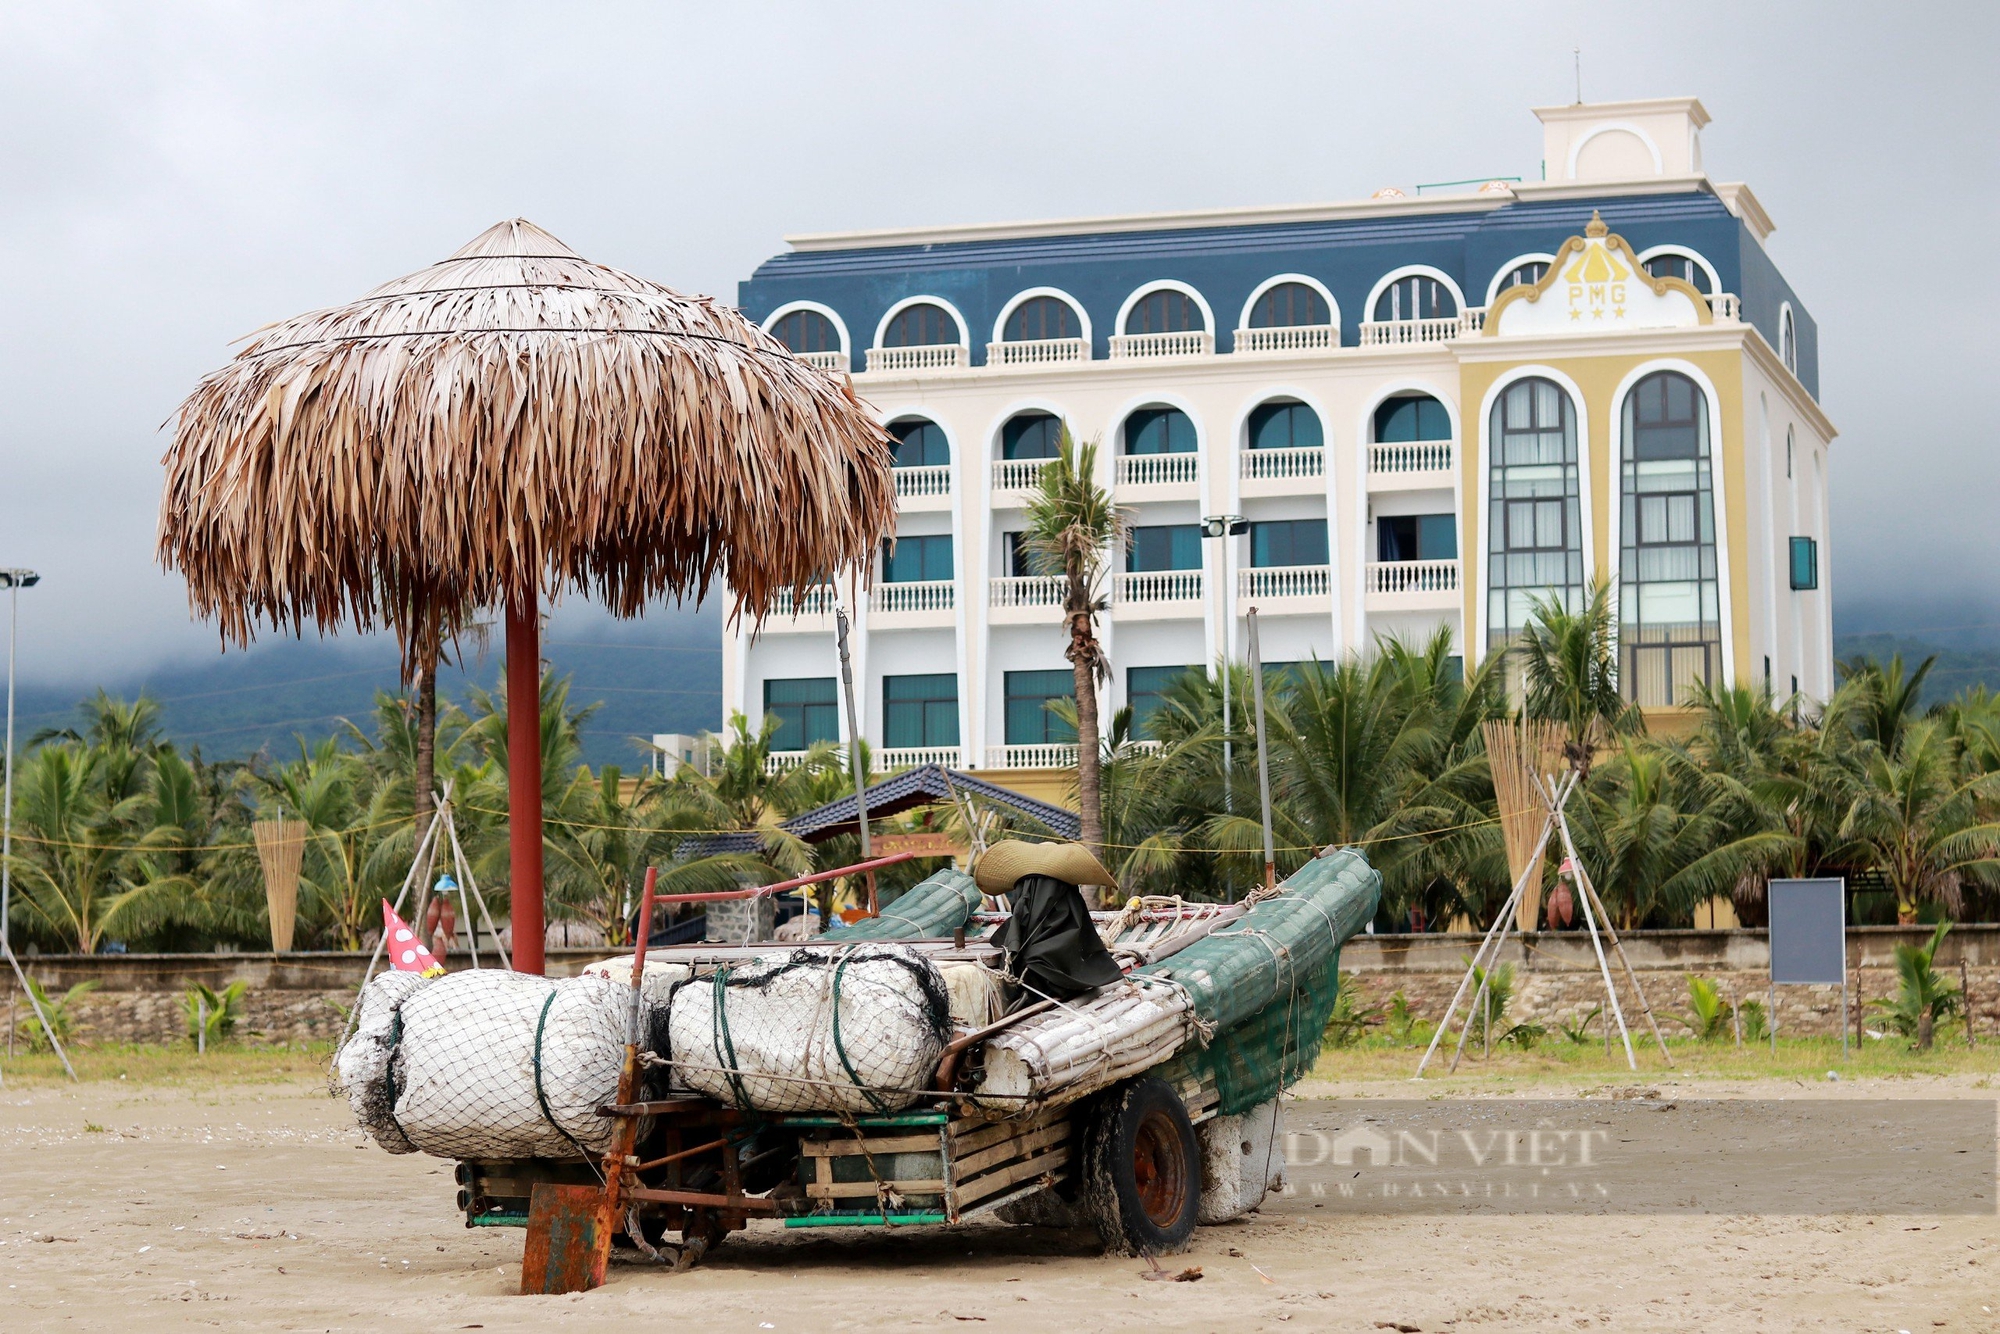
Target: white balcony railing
[(1288, 338), (1727, 307), (1050, 756), (932, 480), (1272, 465), (1038, 352), (1018, 474), (1413, 576), (1411, 456), (1284, 581), (929, 595), (1192, 343), (817, 600), (923, 357), (1026, 590), (1157, 586), (826, 361), (1396, 333), (778, 761), (911, 757), (1157, 469)]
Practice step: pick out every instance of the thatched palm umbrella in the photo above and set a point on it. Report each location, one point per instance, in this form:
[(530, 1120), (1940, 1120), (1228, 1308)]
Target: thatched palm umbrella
[(491, 430)]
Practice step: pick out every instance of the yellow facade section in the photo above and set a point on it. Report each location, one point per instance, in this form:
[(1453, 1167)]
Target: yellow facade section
[(1597, 377)]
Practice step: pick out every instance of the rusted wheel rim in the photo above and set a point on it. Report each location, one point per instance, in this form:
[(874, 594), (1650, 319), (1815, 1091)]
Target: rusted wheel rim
[(1159, 1169)]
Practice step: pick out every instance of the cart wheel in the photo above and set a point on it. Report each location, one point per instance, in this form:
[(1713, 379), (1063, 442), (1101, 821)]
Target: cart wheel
[(1142, 1170)]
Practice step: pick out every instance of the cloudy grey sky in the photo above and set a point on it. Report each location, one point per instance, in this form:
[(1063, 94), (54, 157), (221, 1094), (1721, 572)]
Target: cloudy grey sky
[(177, 174)]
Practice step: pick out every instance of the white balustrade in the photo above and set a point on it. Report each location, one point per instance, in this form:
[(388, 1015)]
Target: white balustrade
[(1271, 465), (928, 595), (818, 600), (1157, 586), (931, 480), (826, 361), (1026, 590), (1397, 333), (912, 757), (1018, 474), (1411, 456), (1727, 307), (1157, 469), (1288, 338), (1412, 576), (1050, 756), (1038, 352), (1284, 581), (1190, 343), (779, 761), (923, 357)]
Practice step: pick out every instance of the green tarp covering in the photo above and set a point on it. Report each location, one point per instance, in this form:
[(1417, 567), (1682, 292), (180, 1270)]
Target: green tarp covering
[(932, 908), (1268, 981)]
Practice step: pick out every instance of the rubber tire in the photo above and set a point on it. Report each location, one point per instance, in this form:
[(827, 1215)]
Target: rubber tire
[(1139, 1150)]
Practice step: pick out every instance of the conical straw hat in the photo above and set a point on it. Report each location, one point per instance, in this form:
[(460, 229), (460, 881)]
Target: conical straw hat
[(1006, 862)]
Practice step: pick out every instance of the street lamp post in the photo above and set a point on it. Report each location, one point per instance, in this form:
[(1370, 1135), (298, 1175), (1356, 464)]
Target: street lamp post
[(1226, 526), (14, 581)]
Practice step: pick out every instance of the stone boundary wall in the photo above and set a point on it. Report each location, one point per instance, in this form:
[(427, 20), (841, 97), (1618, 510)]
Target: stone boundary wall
[(303, 997)]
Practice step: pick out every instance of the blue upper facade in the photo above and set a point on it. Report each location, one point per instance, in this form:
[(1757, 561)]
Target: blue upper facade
[(1227, 263)]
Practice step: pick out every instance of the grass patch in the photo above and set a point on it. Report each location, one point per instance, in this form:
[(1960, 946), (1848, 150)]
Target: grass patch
[(178, 1064), (1379, 1057)]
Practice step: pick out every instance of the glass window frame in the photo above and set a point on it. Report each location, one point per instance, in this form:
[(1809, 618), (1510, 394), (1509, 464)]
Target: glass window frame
[(817, 719), (920, 710), (1025, 716)]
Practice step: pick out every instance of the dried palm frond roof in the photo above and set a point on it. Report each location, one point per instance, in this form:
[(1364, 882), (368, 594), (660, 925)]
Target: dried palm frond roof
[(514, 420)]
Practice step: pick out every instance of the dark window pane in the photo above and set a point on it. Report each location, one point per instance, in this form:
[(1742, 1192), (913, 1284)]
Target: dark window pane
[(920, 325), (1159, 431), (806, 710), (919, 444), (1027, 695), (1146, 691), (807, 331), (1411, 417), (1805, 563), (1680, 266), (1523, 275), (1289, 305), (1041, 317), (1164, 310), (920, 710), (1284, 426), (1415, 298), (1032, 435), (913, 560), (1437, 537), (1174, 546), (1288, 542)]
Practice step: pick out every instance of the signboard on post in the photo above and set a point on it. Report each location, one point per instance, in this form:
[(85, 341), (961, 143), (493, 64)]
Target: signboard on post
[(1809, 941)]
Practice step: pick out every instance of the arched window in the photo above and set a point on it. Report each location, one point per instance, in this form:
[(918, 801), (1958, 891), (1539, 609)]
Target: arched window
[(920, 325), (1523, 275), (1159, 431), (919, 444), (1031, 435), (1410, 417), (1683, 267), (807, 331), (1165, 310), (1788, 340), (1534, 517), (1285, 424), (1415, 298), (1041, 317), (1289, 305), (1670, 622)]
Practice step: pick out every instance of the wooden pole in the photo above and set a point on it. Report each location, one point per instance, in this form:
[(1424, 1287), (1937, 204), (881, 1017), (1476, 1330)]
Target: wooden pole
[(1965, 999), (524, 784), (1263, 762), (1590, 921), (854, 757), (1618, 948)]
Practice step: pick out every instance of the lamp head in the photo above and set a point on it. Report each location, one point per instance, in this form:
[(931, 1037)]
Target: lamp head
[(19, 578)]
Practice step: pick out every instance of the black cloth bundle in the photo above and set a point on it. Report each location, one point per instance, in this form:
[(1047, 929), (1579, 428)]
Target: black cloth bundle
[(1050, 942)]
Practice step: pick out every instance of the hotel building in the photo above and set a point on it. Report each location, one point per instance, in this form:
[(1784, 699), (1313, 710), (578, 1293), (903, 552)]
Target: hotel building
[(1416, 410)]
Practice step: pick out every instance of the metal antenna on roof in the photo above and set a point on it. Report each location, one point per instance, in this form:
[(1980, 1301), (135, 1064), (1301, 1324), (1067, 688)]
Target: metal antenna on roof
[(1576, 53)]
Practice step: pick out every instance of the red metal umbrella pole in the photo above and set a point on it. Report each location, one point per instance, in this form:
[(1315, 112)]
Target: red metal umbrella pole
[(524, 783)]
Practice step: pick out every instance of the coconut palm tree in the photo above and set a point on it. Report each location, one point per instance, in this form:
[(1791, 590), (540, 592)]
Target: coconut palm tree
[(1886, 699), (1923, 817), (1569, 670), (1072, 529), (357, 843)]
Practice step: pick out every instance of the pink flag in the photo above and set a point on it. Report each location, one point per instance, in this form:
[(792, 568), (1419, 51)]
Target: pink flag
[(406, 953)]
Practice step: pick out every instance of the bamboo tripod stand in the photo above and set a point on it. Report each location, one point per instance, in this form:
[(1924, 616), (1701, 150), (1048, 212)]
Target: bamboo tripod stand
[(1554, 794)]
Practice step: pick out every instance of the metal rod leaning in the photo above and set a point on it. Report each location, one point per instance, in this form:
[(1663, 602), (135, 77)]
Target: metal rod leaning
[(1618, 948), (1596, 944)]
